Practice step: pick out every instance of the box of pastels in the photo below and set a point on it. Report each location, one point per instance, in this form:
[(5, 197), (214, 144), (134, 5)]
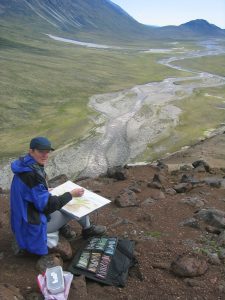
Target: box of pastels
[(101, 259)]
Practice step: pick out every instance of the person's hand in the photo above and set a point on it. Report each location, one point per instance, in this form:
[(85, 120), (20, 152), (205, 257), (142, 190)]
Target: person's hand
[(77, 192)]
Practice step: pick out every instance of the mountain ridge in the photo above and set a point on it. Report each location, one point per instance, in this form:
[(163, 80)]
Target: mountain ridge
[(193, 28), (98, 17)]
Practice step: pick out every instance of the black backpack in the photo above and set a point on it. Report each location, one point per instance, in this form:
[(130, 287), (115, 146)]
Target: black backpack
[(122, 259)]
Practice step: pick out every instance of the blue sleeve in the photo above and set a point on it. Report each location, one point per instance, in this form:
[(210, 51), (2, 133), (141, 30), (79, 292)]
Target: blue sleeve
[(40, 196)]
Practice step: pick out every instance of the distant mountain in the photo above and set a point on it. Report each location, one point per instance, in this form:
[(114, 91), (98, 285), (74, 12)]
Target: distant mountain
[(93, 18), (202, 27), (194, 29)]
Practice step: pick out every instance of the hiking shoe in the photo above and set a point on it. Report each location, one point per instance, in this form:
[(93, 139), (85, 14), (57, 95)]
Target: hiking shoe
[(93, 230), (67, 232)]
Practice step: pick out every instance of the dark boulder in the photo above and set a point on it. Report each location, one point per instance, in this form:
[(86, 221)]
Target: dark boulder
[(201, 165), (189, 266), (126, 198), (162, 166), (212, 216), (156, 182), (49, 261), (63, 248), (117, 172), (213, 182), (183, 187)]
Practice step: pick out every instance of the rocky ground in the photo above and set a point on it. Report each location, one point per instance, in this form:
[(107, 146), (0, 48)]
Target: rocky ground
[(174, 210)]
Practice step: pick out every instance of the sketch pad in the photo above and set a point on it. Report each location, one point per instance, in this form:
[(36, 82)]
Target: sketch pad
[(80, 206)]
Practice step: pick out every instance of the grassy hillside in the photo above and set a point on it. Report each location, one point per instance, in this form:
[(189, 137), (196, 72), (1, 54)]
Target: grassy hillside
[(200, 113), (214, 65), (92, 20), (46, 85)]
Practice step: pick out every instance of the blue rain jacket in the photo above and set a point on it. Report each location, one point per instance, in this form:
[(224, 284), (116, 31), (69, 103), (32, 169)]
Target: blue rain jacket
[(28, 199)]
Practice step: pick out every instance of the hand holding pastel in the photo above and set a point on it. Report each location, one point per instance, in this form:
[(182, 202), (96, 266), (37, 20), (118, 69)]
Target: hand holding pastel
[(78, 192)]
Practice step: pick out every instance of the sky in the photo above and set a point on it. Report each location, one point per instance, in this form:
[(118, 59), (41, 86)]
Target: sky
[(174, 12)]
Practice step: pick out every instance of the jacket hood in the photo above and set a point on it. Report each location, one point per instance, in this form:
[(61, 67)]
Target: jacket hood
[(23, 164)]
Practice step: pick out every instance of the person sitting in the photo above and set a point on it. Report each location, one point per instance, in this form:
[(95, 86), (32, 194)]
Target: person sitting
[(34, 211)]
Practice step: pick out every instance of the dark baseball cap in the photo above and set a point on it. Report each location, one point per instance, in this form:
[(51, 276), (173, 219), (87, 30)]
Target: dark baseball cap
[(41, 143)]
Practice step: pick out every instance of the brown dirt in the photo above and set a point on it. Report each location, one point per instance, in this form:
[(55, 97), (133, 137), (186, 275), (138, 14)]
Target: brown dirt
[(155, 228)]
